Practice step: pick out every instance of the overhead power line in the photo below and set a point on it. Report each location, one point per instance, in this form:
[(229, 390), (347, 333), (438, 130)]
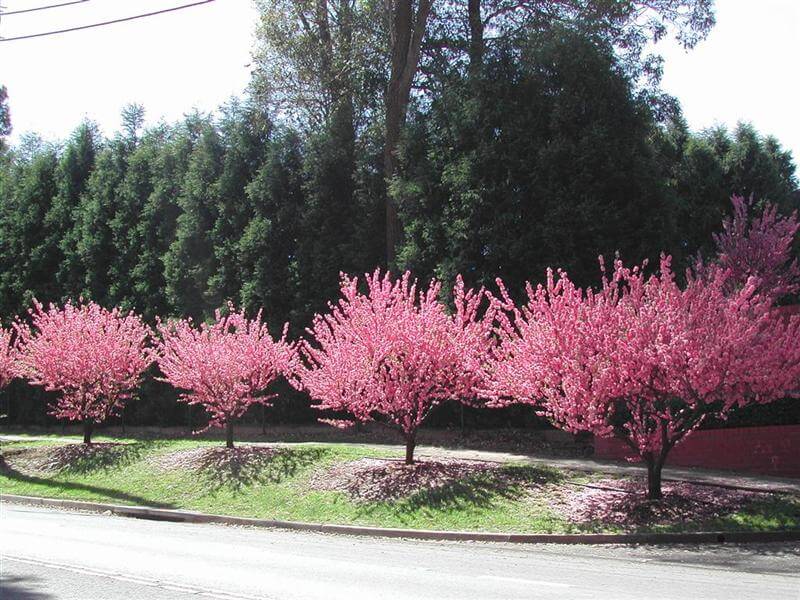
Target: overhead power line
[(104, 23), (27, 10)]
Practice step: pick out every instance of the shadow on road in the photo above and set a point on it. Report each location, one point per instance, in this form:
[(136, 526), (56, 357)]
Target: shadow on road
[(21, 588), (774, 557)]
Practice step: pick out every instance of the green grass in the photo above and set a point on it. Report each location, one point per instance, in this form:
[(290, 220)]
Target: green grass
[(278, 488)]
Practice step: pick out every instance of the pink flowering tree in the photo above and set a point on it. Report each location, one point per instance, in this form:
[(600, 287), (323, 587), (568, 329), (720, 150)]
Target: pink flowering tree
[(225, 366), (7, 366), (757, 246), (394, 353), (642, 359), (92, 356), (7, 358)]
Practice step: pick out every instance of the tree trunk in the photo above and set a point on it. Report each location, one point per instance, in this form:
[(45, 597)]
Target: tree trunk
[(229, 434), (88, 426), (410, 445), (654, 466), (476, 43), (393, 227), (407, 28)]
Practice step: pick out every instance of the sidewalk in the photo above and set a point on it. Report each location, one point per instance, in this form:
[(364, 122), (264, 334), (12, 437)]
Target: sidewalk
[(711, 477), (730, 479)]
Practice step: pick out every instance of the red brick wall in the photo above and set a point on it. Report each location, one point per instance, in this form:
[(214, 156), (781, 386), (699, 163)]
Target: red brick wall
[(764, 450)]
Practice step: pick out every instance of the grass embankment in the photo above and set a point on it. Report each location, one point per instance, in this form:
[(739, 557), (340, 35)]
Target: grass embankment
[(337, 483)]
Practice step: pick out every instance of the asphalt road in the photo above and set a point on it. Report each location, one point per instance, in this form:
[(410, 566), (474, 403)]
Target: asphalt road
[(48, 554)]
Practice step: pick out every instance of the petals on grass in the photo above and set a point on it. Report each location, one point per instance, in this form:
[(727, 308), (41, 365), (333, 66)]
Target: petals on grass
[(623, 502)]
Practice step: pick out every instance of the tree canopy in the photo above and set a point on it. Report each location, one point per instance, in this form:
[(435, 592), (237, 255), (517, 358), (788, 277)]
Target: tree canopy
[(523, 135)]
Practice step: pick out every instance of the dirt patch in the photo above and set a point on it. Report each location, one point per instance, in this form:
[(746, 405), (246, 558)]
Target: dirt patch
[(623, 502), (49, 460), (213, 457), (380, 480), (241, 466)]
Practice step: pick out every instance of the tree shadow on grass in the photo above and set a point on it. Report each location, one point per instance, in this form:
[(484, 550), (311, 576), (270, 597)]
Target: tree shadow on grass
[(238, 468), (79, 459), (686, 506), (481, 490), (56, 485), (477, 490), (762, 513)]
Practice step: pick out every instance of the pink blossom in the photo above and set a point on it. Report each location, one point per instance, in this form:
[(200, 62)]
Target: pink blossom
[(757, 247), (225, 366), (92, 356), (7, 358), (394, 353), (642, 358), (619, 502)]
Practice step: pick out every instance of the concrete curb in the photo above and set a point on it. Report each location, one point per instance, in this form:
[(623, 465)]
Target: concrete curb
[(185, 516)]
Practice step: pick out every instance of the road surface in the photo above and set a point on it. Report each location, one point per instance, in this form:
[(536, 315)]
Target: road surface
[(48, 554)]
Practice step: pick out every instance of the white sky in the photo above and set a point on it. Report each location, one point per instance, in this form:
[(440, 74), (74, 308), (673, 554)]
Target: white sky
[(746, 70), (169, 63)]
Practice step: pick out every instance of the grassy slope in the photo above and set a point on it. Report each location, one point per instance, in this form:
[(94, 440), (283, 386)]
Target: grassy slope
[(279, 490)]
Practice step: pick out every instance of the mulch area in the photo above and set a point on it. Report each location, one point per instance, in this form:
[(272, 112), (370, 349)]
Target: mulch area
[(49, 460), (380, 480), (239, 467), (213, 457), (624, 502)]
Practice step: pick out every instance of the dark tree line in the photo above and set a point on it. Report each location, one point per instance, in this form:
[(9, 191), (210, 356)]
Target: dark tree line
[(550, 157), (529, 139)]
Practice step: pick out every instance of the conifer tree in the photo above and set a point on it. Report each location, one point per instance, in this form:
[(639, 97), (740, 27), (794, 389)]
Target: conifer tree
[(268, 246), (158, 221), (25, 260), (245, 135), (189, 262)]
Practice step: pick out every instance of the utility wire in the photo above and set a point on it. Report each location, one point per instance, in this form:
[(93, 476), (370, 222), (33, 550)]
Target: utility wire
[(122, 20), (27, 10)]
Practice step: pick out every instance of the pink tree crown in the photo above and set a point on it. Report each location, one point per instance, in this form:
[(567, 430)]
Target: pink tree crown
[(395, 352), (93, 356), (641, 358), (7, 357), (757, 246), (224, 366)]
